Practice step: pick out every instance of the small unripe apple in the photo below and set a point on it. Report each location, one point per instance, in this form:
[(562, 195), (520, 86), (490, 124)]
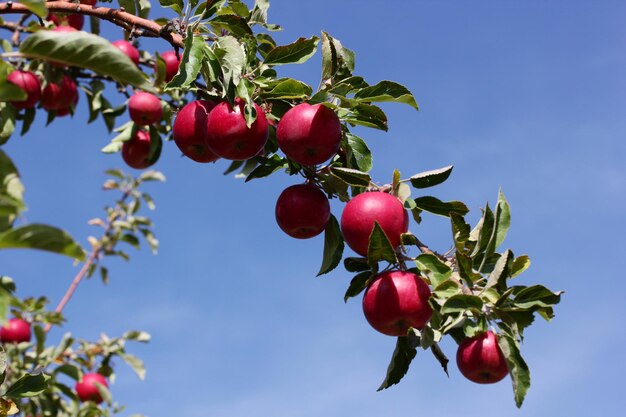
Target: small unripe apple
[(395, 301), (128, 49), (171, 64), (15, 331), (136, 151), (87, 390), (145, 108), (480, 359), (189, 131), (360, 214), (229, 137), (309, 134), (28, 82), (60, 95), (302, 211)]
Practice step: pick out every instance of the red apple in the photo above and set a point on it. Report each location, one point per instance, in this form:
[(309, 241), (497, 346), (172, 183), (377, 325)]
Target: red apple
[(480, 359), (359, 215), (87, 390), (395, 301), (136, 151), (60, 95), (309, 134), (15, 331), (89, 2), (229, 137), (189, 131), (302, 211), (64, 111), (145, 108), (128, 49), (75, 21), (28, 82), (64, 29), (171, 64)]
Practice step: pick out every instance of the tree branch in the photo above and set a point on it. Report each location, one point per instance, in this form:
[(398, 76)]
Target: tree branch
[(118, 17)]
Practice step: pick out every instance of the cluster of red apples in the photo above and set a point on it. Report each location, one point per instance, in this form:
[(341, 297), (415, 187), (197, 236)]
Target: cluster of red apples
[(18, 331)]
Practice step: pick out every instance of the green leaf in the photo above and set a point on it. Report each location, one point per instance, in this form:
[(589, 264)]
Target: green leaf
[(520, 264), (42, 237), (267, 167), (502, 218), (232, 57), (433, 268), (447, 289), (379, 247), (137, 336), (501, 271), (36, 6), (358, 284), (337, 61), (135, 363), (536, 296), (400, 362), (386, 91), (176, 5), (191, 61), (28, 385), (460, 231), (10, 91), (367, 115), (351, 176), (356, 264), (11, 192), (520, 374), (359, 154), (70, 370), (431, 178), (294, 53), (8, 114), (85, 50), (436, 206), (462, 302), (5, 303), (333, 246), (286, 89), (232, 24)]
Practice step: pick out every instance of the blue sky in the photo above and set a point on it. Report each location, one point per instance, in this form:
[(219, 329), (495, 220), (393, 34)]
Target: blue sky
[(530, 97)]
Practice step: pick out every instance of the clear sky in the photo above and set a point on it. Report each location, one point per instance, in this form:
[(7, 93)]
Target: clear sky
[(528, 96)]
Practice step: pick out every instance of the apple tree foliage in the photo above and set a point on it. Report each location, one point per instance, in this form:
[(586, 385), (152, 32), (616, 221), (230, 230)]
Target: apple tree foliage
[(227, 51)]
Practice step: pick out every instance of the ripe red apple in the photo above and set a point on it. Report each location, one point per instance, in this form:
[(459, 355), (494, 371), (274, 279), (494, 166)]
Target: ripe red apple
[(60, 95), (64, 29), (302, 211), (89, 2), (359, 215), (28, 82), (87, 390), (136, 151), (171, 64), (145, 108), (229, 137), (395, 301), (15, 331), (75, 21), (128, 49), (309, 134), (64, 111), (480, 359), (189, 131)]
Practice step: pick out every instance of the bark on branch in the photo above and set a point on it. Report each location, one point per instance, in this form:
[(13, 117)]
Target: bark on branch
[(127, 21)]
